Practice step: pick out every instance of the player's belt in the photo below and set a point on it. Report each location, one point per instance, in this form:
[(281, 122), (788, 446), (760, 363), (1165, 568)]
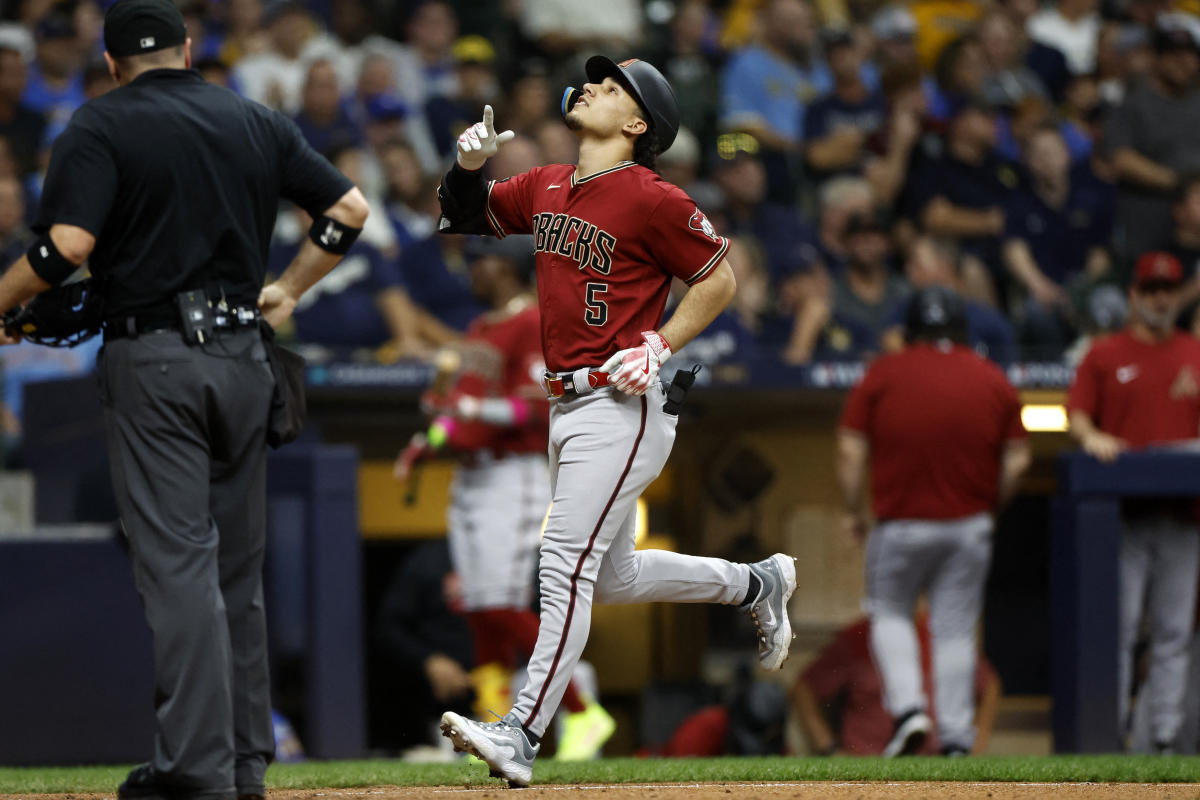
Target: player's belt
[(574, 384)]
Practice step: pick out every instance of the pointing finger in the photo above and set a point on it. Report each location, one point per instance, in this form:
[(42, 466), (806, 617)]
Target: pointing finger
[(487, 120)]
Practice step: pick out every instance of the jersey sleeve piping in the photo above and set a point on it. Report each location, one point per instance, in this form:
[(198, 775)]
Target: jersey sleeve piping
[(704, 271), (491, 216)]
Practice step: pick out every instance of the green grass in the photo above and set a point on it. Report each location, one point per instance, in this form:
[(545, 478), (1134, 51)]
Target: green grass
[(318, 774)]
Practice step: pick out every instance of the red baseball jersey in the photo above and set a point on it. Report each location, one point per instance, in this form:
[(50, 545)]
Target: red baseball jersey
[(937, 420), (607, 247), (1143, 393), (502, 358)]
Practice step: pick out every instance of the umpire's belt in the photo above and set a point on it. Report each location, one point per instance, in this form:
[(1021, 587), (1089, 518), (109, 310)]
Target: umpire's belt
[(160, 319), (574, 384)]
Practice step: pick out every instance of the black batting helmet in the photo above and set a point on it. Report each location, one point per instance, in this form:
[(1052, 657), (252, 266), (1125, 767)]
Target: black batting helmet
[(648, 87), (936, 313)]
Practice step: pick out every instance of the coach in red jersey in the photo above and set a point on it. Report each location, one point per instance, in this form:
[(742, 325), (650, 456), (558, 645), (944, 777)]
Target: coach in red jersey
[(609, 236), (1135, 389), (941, 429)]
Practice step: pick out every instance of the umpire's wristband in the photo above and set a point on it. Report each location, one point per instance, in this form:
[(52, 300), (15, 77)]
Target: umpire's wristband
[(332, 236)]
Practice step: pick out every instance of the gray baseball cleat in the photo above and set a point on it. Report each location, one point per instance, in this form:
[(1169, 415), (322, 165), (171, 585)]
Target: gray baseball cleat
[(502, 745), (777, 575)]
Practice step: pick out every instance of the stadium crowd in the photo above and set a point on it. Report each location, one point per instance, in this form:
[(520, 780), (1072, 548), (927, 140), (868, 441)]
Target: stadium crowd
[(1024, 156)]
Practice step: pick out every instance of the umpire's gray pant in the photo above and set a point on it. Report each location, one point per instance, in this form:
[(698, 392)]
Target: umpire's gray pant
[(186, 435)]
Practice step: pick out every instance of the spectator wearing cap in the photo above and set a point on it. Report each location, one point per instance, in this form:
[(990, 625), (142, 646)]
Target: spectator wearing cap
[(960, 193), (838, 125), (1137, 389), (1072, 27), (450, 115), (1151, 138), (766, 87), (894, 29), (935, 261), (323, 118), (23, 127), (55, 84), (1058, 227), (276, 77)]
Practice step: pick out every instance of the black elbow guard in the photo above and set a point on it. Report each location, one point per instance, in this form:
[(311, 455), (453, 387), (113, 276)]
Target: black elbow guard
[(463, 197), (48, 263), (332, 236)]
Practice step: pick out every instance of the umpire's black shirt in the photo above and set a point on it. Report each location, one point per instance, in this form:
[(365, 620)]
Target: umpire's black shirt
[(179, 181)]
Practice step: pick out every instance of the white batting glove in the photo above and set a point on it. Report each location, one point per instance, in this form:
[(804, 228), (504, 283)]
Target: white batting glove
[(633, 371), (480, 142)]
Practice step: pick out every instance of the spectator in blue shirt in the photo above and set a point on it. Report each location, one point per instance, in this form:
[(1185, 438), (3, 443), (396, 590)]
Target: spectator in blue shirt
[(324, 119), (839, 124), (934, 261), (23, 127), (55, 84), (1057, 231), (436, 270), (766, 87)]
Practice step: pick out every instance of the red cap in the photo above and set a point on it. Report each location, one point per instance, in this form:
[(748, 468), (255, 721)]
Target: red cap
[(1157, 267)]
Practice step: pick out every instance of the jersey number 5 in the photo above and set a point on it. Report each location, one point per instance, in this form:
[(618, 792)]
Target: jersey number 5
[(596, 313)]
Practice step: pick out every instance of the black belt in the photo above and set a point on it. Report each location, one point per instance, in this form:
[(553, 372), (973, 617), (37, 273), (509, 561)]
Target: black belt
[(134, 325)]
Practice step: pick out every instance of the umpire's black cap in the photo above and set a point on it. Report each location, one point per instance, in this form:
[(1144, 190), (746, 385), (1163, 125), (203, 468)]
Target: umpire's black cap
[(936, 313), (648, 86), (135, 27)]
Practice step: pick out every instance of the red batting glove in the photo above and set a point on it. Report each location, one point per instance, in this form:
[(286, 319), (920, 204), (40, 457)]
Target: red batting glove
[(633, 371)]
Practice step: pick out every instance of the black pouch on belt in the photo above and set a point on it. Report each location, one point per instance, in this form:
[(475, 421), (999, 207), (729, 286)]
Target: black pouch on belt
[(677, 391), (289, 407)]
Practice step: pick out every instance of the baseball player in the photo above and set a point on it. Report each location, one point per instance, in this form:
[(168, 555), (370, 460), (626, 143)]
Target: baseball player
[(941, 429), (1137, 388), (609, 235), (492, 414)]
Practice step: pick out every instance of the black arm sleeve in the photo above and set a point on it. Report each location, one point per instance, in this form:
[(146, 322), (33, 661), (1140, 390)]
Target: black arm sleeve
[(463, 195)]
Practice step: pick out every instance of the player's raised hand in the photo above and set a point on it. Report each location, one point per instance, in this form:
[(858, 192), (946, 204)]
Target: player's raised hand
[(635, 369), (480, 142)]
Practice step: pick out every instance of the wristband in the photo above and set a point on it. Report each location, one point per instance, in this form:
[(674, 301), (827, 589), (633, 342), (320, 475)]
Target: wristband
[(658, 344), (440, 432), (47, 262), (332, 236)]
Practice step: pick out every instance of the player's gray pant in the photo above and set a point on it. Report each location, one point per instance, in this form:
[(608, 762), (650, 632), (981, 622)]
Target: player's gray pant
[(186, 442), (949, 561), (1158, 562), (605, 448), (495, 520)]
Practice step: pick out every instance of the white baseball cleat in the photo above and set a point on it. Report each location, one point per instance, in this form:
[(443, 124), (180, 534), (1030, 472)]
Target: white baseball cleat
[(777, 575), (501, 745)]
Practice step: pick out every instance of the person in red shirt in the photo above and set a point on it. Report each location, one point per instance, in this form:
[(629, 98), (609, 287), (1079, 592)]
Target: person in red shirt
[(843, 686), (940, 428), (1136, 389), (609, 234)]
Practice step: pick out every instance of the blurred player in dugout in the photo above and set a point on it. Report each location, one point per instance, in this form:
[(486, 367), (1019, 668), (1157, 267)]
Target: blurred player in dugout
[(490, 411), (940, 428), (1137, 388)]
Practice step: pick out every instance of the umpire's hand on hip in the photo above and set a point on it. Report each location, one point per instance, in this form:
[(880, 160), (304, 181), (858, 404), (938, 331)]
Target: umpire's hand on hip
[(276, 304), (480, 142)]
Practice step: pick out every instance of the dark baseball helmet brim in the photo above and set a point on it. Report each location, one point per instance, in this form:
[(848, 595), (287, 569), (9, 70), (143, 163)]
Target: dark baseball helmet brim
[(648, 87)]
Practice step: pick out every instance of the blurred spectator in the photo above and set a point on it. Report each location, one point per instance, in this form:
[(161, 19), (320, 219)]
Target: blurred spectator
[(940, 22), (960, 71), (934, 261), (377, 232), (891, 148), (935, 432), (424, 64), (841, 199), (838, 699), (402, 198), (97, 80), (514, 160), (213, 71), (1072, 27), (15, 236), (733, 335), (691, 62), (352, 26), (1082, 113), (1048, 63), (436, 271), (750, 723), (1123, 57), (564, 28), (766, 87), (838, 125), (244, 33), (23, 127), (1151, 139), (323, 118), (1057, 230), (789, 243), (276, 77), (55, 84), (1185, 246), (1136, 389), (421, 631), (1008, 80), (961, 193), (385, 114), (448, 116), (206, 41), (560, 146), (531, 100)]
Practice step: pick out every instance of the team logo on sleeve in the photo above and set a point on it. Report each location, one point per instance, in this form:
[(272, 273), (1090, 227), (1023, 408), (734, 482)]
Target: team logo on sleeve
[(699, 222)]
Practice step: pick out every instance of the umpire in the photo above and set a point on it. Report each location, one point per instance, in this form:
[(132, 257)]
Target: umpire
[(168, 186)]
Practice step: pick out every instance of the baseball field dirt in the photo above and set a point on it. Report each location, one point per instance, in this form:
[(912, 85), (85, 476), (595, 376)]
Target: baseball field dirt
[(813, 790)]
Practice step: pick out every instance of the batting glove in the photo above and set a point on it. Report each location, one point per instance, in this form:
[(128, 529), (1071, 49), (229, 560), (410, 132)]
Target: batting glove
[(480, 142), (633, 371)]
